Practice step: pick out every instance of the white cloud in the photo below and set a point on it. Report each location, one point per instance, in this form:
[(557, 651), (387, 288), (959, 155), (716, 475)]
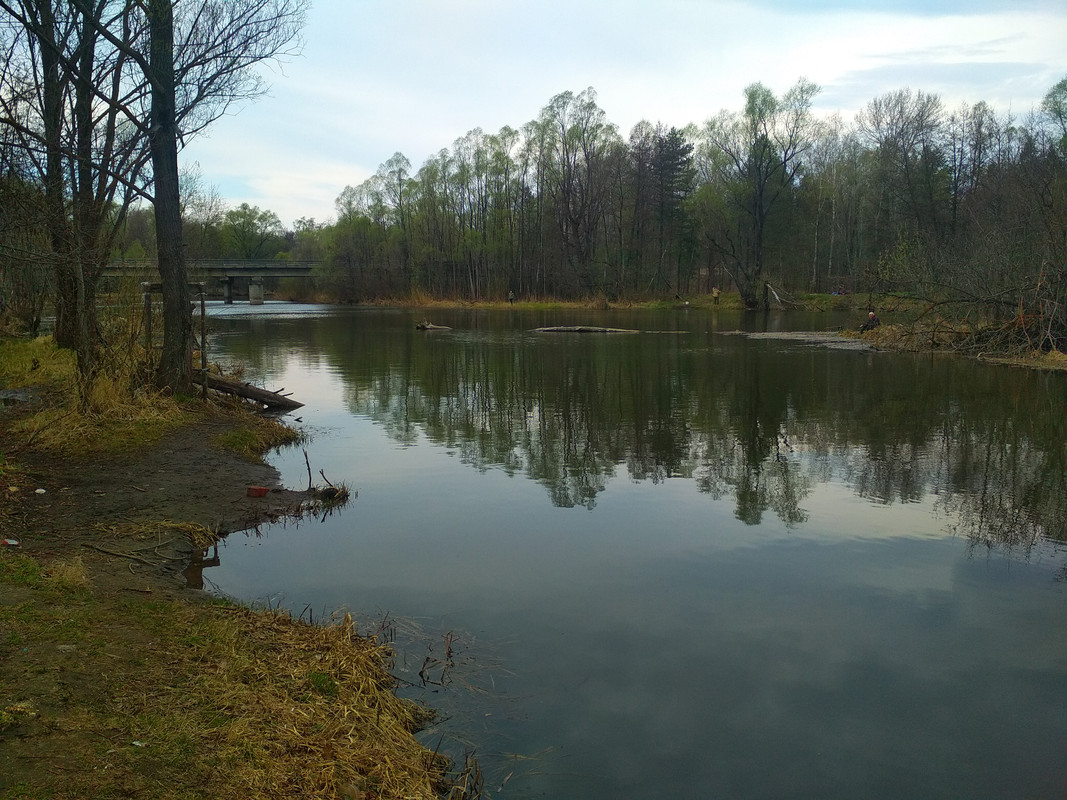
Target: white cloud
[(412, 76)]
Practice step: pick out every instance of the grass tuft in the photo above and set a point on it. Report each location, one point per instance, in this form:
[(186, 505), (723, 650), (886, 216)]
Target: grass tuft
[(135, 421), (68, 576), (17, 569), (253, 435)]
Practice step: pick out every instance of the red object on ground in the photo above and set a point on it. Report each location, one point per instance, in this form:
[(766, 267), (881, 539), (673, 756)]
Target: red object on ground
[(257, 491)]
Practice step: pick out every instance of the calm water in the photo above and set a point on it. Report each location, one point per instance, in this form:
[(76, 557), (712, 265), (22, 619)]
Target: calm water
[(690, 564)]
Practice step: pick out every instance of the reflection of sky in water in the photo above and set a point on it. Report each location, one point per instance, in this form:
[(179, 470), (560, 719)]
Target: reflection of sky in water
[(657, 646)]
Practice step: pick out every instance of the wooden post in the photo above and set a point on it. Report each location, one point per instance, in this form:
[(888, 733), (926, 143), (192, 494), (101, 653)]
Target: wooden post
[(146, 290), (203, 342)]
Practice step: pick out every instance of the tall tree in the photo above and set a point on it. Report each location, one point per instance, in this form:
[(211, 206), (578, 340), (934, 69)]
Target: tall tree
[(904, 130), (577, 185), (252, 232), (750, 159), (132, 80)]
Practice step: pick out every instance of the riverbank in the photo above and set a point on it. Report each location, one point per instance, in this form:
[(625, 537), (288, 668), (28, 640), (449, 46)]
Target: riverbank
[(120, 678), (907, 326)]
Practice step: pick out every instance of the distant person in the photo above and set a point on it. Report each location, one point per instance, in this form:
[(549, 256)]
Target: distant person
[(871, 323), (715, 295), (511, 298)]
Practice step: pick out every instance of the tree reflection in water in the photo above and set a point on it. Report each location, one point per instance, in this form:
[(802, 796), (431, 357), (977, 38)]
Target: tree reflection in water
[(757, 420)]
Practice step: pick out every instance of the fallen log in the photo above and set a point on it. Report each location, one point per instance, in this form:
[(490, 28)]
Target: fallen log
[(582, 329), (429, 326), (249, 392)]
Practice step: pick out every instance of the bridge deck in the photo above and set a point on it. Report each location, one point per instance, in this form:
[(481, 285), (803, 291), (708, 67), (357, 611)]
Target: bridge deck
[(217, 268)]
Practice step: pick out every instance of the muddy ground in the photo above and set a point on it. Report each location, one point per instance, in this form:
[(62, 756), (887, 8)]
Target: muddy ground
[(66, 507)]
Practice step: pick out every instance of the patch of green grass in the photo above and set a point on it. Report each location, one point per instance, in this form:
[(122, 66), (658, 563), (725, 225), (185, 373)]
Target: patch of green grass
[(19, 570), (23, 792), (323, 684), (253, 436), (34, 362), (241, 441)]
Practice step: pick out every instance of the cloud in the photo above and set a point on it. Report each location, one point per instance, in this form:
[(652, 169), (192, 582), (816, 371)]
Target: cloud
[(382, 76)]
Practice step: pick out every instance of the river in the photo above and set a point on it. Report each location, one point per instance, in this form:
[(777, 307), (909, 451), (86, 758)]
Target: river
[(683, 563)]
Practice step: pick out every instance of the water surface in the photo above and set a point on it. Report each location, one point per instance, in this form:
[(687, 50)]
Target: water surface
[(687, 563)]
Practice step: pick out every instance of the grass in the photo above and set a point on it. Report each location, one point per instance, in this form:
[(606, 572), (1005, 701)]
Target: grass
[(34, 362), (222, 700), (135, 421), (254, 435), (728, 301), (116, 416), (1054, 360), (128, 694), (19, 570)]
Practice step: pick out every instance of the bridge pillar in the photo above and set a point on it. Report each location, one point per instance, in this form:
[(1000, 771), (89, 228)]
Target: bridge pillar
[(255, 292), (227, 291)]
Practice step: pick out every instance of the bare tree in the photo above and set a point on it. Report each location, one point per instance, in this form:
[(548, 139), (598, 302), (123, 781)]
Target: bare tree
[(131, 82), (580, 140), (81, 151), (199, 62)]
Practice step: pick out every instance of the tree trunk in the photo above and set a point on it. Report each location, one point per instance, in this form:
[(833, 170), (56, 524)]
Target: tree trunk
[(175, 365)]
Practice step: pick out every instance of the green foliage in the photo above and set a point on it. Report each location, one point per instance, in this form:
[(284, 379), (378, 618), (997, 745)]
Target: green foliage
[(251, 232), (34, 362)]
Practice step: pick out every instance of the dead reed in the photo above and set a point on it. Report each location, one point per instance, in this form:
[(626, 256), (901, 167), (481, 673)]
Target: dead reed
[(312, 712)]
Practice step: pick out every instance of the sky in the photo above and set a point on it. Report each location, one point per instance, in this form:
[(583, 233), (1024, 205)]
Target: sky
[(377, 77)]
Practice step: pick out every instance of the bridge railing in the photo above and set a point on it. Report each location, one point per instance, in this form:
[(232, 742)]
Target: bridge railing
[(220, 268)]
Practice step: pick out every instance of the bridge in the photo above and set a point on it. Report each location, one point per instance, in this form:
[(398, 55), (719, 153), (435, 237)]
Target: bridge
[(223, 270)]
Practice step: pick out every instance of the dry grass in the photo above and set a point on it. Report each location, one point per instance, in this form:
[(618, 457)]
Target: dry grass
[(160, 532), (325, 698), (934, 333), (121, 421), (206, 700), (116, 416), (68, 576), (188, 699), (1054, 360), (33, 362)]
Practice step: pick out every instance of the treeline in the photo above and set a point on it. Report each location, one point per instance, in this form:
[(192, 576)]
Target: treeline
[(966, 208)]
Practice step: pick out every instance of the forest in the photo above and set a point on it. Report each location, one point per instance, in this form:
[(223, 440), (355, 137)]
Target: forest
[(964, 208)]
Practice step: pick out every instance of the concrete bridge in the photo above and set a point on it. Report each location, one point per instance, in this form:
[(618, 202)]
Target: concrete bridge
[(222, 270)]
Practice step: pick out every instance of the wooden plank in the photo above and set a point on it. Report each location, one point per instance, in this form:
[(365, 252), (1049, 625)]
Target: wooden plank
[(247, 390), (582, 329)]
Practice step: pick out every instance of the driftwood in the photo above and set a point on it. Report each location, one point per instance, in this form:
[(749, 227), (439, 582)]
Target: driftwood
[(429, 326), (250, 392), (582, 329)]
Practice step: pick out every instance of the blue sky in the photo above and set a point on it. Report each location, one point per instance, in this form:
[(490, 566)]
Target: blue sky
[(381, 76)]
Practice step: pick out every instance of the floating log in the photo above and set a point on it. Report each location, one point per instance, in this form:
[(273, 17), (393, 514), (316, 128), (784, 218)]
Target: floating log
[(250, 392), (582, 329), (429, 326)]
